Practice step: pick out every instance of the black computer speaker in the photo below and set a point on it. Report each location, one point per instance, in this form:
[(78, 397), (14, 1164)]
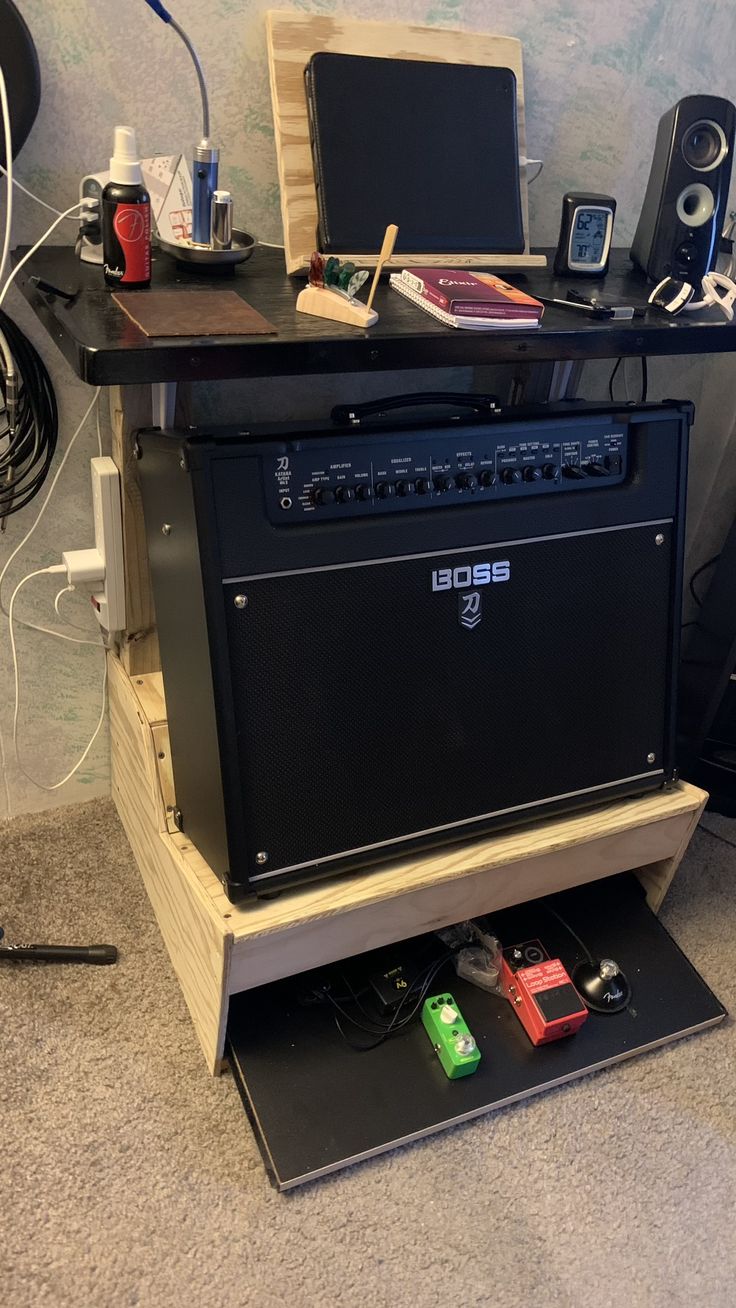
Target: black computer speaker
[(685, 203)]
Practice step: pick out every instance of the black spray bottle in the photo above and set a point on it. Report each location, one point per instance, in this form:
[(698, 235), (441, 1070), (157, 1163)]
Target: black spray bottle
[(126, 217)]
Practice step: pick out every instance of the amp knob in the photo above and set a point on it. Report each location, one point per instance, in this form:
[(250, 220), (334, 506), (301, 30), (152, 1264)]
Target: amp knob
[(487, 478), (422, 486), (466, 481), (532, 474), (443, 484), (363, 492), (405, 488), (344, 494), (384, 490), (509, 476), (549, 471), (324, 495)]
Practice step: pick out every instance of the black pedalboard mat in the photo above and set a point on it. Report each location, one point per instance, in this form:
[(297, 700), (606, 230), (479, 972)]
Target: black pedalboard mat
[(317, 1104)]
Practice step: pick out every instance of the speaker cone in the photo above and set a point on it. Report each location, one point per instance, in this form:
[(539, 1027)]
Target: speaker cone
[(695, 205), (704, 145)]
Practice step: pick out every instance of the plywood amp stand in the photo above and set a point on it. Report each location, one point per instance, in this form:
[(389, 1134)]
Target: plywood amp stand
[(219, 949)]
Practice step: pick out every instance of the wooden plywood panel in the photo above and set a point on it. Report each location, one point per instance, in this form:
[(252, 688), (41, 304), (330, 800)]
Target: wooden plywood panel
[(640, 826), (292, 39), (196, 938), (535, 868)]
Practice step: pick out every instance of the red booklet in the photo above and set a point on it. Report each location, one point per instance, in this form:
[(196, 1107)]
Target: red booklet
[(471, 295)]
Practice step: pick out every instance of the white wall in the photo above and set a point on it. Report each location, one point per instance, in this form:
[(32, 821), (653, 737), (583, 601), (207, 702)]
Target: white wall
[(597, 80)]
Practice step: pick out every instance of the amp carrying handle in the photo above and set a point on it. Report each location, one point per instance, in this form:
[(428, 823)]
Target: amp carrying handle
[(356, 413)]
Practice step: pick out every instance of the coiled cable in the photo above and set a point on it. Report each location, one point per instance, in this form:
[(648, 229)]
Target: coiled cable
[(28, 437)]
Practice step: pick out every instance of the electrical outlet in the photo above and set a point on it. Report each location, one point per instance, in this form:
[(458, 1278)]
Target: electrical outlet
[(109, 599)]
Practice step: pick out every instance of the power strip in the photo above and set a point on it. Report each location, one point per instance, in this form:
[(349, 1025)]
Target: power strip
[(110, 600), (102, 568)]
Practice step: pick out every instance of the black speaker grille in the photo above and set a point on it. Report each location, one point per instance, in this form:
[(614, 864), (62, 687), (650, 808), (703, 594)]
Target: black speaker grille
[(376, 714)]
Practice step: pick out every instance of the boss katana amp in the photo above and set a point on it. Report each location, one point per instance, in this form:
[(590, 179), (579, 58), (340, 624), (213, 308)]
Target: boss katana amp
[(386, 636)]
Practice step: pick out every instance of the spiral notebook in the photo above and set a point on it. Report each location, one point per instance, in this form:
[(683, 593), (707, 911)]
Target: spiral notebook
[(456, 320), (428, 145)]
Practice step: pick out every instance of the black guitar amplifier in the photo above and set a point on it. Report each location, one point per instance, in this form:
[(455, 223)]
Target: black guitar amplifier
[(378, 640)]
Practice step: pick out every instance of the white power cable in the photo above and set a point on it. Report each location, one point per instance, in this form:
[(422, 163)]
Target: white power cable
[(97, 427), (33, 626), (9, 365), (4, 347), (72, 209), (18, 548), (60, 635), (8, 170), (19, 185), (40, 572), (10, 372), (47, 630), (8, 362), (65, 590), (50, 491)]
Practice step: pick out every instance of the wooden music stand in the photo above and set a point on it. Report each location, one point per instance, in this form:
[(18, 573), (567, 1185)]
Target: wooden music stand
[(292, 40)]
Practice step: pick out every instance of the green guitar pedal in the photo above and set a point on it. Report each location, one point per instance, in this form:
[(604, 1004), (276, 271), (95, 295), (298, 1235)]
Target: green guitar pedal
[(449, 1033)]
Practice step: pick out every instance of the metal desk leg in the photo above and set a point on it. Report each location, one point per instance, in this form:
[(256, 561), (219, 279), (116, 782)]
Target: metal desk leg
[(133, 407), (565, 379), (163, 404), (543, 383)]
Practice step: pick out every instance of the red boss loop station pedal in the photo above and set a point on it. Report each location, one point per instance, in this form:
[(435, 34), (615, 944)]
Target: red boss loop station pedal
[(541, 993)]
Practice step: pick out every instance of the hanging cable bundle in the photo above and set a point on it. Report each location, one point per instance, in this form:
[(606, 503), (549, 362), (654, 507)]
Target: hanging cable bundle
[(29, 424)]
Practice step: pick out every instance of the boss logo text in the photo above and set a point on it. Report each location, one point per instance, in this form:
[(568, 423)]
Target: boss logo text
[(479, 574)]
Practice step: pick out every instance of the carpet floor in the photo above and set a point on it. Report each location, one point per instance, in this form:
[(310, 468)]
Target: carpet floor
[(130, 1177)]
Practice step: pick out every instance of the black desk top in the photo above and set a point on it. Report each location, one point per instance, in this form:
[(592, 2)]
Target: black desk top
[(105, 348)]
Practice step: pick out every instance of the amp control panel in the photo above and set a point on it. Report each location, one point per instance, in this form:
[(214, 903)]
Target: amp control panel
[(400, 473)]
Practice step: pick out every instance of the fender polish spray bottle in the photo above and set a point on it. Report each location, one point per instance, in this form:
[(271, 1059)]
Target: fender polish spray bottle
[(126, 217)]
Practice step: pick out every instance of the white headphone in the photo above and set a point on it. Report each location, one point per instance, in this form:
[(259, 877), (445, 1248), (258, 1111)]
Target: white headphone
[(710, 287), (674, 296)]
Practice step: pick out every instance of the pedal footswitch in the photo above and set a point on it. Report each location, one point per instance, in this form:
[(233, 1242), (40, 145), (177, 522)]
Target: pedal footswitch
[(452, 1040), (541, 993)]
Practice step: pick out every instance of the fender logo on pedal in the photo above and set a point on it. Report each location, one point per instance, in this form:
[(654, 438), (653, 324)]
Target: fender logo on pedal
[(469, 609)]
